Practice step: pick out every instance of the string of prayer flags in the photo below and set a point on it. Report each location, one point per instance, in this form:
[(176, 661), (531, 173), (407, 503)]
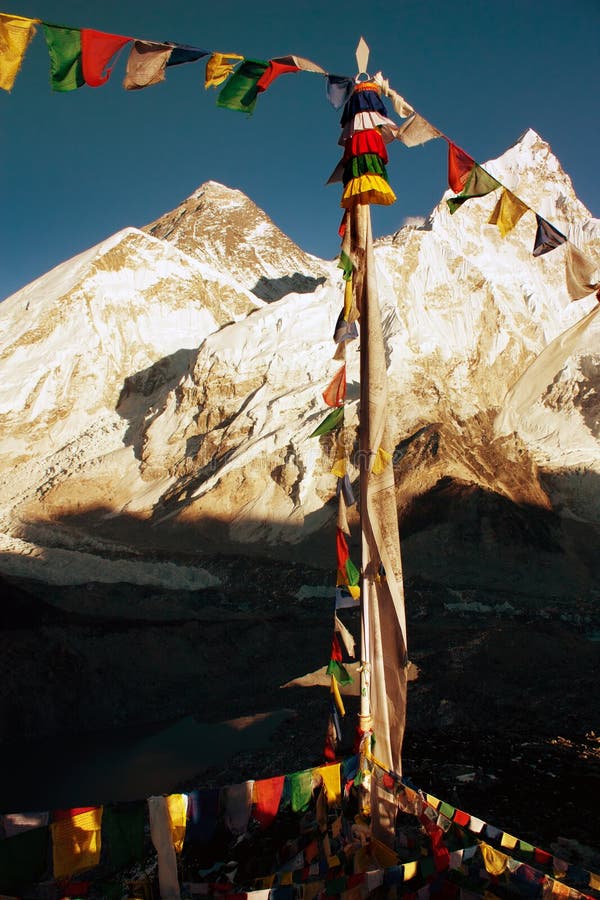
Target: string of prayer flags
[(219, 68), (332, 421), (478, 184), (335, 392), (266, 798), (401, 107), (16, 33), (97, 50), (76, 840), (146, 65), (460, 166), (547, 237), (64, 50), (507, 212), (241, 88)]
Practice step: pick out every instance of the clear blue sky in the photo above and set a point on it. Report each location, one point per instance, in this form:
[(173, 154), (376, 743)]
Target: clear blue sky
[(76, 167)]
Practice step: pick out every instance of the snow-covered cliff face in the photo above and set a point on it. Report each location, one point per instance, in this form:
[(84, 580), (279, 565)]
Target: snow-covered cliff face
[(158, 391)]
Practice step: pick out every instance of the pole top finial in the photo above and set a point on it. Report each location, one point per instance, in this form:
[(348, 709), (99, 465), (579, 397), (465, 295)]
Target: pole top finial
[(362, 56)]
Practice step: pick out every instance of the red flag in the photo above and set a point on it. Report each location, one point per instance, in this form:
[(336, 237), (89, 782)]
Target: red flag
[(368, 141), (335, 392), (97, 50), (336, 650), (267, 795), (343, 554), (273, 71), (460, 165)]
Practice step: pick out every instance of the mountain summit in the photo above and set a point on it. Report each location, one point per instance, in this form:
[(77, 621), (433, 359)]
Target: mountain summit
[(159, 389)]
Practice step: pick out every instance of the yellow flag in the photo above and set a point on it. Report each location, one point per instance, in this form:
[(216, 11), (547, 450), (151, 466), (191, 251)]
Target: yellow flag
[(339, 467), (508, 841), (76, 843), (337, 697), (494, 861), (15, 34), (381, 461), (177, 806), (218, 69), (331, 782), (507, 212)]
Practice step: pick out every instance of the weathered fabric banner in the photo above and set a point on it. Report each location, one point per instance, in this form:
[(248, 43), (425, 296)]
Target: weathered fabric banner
[(335, 392), (507, 212), (272, 72), (76, 840), (479, 183), (16, 33), (218, 68), (413, 132), (547, 237), (578, 274), (97, 50), (183, 53), (240, 91), (460, 165), (146, 65), (64, 49)]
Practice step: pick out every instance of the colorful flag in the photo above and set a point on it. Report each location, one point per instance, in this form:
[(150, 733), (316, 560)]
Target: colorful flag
[(273, 71), (331, 778), (479, 183), (177, 808), (64, 49), (16, 33), (76, 840), (547, 237), (123, 833), (345, 636), (335, 392), (507, 212), (183, 53), (339, 672), (267, 797), (305, 65), (413, 132), (203, 810), (343, 554), (218, 68), (146, 65), (300, 789), (344, 487), (362, 101), (240, 90), (460, 165), (346, 265), (365, 142), (333, 420), (578, 273), (339, 89), (236, 801), (97, 50)]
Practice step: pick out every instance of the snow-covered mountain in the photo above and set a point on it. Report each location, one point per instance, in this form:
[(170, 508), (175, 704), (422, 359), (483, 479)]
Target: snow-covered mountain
[(158, 391)]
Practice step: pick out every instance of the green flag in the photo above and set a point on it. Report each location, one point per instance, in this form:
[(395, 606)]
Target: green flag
[(64, 48), (478, 184), (339, 672), (333, 420), (240, 91), (301, 789)]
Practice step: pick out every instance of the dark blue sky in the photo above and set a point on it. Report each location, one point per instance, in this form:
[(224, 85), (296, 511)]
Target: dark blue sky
[(77, 167)]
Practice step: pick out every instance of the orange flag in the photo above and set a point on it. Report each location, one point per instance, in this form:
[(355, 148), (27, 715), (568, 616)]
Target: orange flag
[(460, 165), (335, 392)]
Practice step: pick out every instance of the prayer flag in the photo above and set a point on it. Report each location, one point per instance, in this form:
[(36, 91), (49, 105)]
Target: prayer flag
[(507, 212), (346, 265), (305, 65), (23, 858), (479, 183), (300, 789), (236, 800), (162, 838), (183, 53), (413, 132), (344, 599), (460, 165), (146, 65), (494, 861), (369, 141), (97, 50), (203, 808), (339, 467), (330, 422), (337, 697), (547, 237), (267, 796), (381, 461), (240, 90), (352, 573), (16, 33), (342, 516), (273, 71), (330, 776), (362, 165), (339, 672), (218, 68), (362, 101), (343, 554), (367, 189), (344, 487), (64, 49), (400, 105), (336, 650), (76, 841), (177, 808), (345, 636), (335, 392), (344, 330), (339, 89), (123, 833), (578, 274)]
